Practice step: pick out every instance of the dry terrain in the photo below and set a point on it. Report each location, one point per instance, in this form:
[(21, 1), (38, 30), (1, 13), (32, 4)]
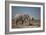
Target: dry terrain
[(25, 22)]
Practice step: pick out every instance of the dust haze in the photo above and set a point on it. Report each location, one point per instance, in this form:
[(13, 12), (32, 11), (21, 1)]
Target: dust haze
[(24, 21)]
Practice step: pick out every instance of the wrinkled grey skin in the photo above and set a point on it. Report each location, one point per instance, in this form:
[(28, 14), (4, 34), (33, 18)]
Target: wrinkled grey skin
[(22, 20)]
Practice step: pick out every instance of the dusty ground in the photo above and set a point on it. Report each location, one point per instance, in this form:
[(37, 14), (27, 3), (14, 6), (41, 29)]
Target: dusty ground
[(25, 22), (33, 24)]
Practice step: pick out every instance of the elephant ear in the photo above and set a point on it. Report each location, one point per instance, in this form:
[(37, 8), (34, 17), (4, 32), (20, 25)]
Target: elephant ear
[(32, 18)]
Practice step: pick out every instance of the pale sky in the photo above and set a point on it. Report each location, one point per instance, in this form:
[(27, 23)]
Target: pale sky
[(33, 11)]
